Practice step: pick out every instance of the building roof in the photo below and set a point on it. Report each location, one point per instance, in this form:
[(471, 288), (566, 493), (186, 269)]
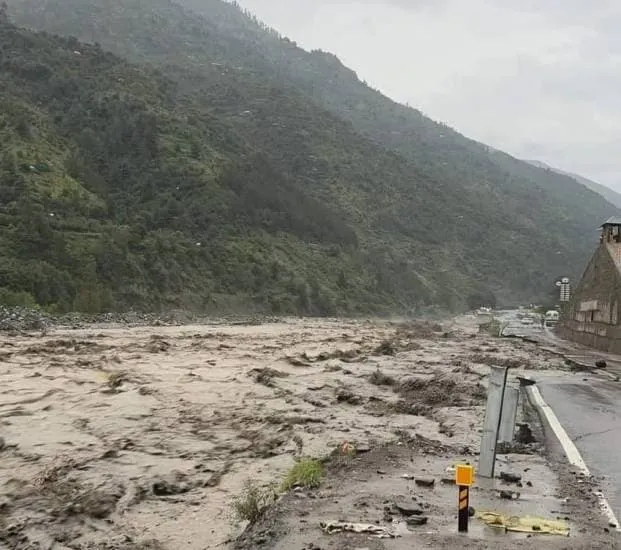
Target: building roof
[(614, 220)]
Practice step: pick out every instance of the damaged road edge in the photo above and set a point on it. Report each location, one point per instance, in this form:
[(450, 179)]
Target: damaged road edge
[(569, 448)]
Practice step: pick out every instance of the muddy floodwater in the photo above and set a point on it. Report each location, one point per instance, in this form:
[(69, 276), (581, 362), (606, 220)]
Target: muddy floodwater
[(127, 438)]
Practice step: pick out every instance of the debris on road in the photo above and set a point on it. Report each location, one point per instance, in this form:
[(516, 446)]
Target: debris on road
[(524, 524), (331, 527), (416, 521), (408, 507), (510, 477), (508, 495), (425, 481)]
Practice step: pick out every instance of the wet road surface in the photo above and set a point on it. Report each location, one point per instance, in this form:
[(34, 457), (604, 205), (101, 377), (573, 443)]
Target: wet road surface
[(589, 408), (590, 412)]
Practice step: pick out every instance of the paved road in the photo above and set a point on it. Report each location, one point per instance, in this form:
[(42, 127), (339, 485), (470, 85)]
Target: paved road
[(588, 407), (590, 412)]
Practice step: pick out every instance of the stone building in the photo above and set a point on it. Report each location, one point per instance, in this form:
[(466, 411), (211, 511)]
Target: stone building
[(592, 314)]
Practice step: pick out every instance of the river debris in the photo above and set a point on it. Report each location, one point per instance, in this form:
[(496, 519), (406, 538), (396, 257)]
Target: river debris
[(334, 526), (155, 429), (524, 524)]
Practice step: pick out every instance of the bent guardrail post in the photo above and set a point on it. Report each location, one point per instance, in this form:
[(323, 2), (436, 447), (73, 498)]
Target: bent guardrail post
[(491, 425), (508, 415)]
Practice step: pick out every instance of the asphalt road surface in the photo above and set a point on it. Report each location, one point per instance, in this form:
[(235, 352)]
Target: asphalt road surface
[(588, 407), (590, 413)]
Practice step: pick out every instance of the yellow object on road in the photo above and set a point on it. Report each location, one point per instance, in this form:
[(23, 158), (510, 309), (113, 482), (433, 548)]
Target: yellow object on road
[(524, 524)]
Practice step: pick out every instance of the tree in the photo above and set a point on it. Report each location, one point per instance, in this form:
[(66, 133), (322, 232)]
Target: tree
[(13, 183), (341, 280), (4, 12)]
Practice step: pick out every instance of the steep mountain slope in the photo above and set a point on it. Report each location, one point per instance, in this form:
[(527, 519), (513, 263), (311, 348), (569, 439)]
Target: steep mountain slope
[(120, 190), (435, 215), (323, 75), (118, 193), (609, 194), (434, 146)]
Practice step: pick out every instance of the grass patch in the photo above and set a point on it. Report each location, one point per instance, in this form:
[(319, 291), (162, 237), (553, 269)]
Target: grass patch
[(252, 503), (254, 500), (307, 473)]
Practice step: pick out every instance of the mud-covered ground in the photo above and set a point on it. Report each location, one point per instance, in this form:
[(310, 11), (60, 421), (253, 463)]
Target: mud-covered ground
[(140, 438)]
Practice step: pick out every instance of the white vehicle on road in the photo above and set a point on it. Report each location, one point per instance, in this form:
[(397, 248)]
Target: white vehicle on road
[(551, 318)]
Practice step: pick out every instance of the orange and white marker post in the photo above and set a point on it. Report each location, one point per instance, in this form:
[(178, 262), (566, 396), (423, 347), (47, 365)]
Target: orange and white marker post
[(464, 479)]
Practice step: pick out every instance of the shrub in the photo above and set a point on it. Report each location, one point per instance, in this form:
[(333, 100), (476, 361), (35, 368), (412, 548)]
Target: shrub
[(494, 328), (17, 299), (252, 503)]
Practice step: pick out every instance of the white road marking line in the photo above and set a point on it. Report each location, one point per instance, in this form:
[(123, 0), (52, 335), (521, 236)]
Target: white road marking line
[(571, 451)]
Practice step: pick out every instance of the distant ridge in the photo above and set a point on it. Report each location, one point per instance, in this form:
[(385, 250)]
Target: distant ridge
[(610, 195)]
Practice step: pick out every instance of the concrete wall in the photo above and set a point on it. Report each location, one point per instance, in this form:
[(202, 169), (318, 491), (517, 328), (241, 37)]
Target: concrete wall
[(610, 342), (592, 316)]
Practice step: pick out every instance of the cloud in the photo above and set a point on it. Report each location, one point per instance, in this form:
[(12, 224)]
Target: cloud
[(537, 78)]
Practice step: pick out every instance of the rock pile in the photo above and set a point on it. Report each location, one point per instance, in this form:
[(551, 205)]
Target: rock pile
[(22, 319)]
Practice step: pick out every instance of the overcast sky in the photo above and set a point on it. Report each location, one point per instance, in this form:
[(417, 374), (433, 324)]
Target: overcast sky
[(539, 79)]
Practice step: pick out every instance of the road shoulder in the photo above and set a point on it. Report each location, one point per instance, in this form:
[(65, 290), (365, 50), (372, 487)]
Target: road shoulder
[(370, 489)]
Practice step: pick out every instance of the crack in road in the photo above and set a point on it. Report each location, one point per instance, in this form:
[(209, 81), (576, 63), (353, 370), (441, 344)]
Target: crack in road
[(590, 434)]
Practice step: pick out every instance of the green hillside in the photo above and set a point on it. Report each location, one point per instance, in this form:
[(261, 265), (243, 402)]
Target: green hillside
[(609, 194), (119, 190), (245, 171)]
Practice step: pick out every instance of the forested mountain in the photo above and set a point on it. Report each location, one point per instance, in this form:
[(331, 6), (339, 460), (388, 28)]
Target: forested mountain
[(239, 169), (609, 194)]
